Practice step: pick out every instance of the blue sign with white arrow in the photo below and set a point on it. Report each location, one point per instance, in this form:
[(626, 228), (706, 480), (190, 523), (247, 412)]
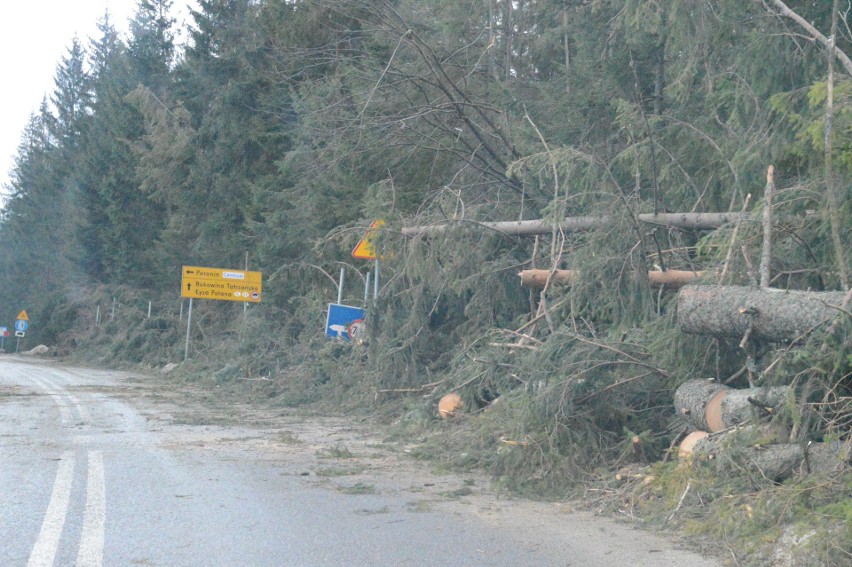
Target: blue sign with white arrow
[(343, 321)]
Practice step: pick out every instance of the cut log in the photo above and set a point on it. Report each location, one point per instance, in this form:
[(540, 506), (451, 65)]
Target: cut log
[(829, 458), (536, 279), (688, 443), (711, 406), (768, 314), (773, 462), (695, 221), (450, 405), (747, 450)]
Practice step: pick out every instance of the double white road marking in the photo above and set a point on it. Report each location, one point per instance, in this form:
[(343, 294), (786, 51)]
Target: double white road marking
[(91, 550)]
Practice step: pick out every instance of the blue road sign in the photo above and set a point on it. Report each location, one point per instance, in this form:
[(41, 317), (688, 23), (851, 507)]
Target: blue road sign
[(21, 325), (342, 318)]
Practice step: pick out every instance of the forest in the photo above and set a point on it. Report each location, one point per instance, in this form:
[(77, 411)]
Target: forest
[(605, 147)]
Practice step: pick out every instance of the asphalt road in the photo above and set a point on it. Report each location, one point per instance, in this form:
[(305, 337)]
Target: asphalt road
[(96, 468)]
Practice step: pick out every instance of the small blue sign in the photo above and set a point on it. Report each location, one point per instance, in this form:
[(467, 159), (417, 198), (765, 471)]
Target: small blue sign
[(342, 320), (21, 325)]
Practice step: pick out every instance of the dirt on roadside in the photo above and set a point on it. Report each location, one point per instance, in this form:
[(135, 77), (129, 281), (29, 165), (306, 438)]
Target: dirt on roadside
[(356, 456)]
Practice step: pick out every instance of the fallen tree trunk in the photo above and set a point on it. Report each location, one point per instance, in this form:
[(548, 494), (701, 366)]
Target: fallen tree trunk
[(711, 406), (774, 462), (746, 450), (536, 279), (695, 221), (769, 314)]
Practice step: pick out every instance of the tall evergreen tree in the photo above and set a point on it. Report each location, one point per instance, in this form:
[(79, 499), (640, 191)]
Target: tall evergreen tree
[(151, 47), (122, 222)]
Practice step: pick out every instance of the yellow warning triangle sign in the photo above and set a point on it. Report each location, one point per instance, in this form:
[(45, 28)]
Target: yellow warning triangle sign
[(366, 249), (22, 316)]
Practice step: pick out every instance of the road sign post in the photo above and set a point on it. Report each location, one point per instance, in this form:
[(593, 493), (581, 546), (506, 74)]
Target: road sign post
[(366, 250), (221, 284), (188, 326), (22, 323)]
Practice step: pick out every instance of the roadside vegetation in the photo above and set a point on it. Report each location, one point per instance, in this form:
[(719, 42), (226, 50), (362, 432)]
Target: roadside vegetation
[(283, 129)]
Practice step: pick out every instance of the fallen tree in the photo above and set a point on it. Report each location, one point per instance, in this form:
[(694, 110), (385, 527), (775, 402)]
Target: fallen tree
[(767, 314), (753, 450), (537, 279), (711, 406), (693, 221)]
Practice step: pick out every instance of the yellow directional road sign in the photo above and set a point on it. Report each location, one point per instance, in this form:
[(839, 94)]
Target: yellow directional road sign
[(220, 283)]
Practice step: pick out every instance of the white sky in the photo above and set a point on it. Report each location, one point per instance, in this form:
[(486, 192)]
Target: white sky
[(34, 37)]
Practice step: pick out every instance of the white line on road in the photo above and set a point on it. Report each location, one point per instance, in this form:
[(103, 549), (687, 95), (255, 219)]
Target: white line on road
[(85, 417), (47, 543), (91, 552), (64, 410)]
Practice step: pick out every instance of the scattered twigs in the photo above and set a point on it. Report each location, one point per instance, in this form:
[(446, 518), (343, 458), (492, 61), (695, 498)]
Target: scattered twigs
[(401, 390), (815, 33), (752, 278), (680, 502), (413, 390), (513, 345), (630, 359), (842, 306), (523, 336), (539, 317), (733, 241), (507, 441), (492, 362), (736, 374), (675, 442), (613, 386)]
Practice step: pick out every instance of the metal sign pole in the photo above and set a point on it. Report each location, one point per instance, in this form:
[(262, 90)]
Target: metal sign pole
[(340, 286), (376, 282), (188, 325), (245, 305), (367, 288)]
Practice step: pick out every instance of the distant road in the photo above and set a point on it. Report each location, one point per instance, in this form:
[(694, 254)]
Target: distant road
[(101, 468)]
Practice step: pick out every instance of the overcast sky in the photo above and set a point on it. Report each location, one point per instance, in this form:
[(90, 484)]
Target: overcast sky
[(34, 36)]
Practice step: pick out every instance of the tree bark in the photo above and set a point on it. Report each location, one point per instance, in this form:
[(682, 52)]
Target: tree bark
[(768, 314), (694, 221), (766, 253), (773, 462), (750, 450), (829, 458), (674, 279), (714, 407), (831, 190)]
